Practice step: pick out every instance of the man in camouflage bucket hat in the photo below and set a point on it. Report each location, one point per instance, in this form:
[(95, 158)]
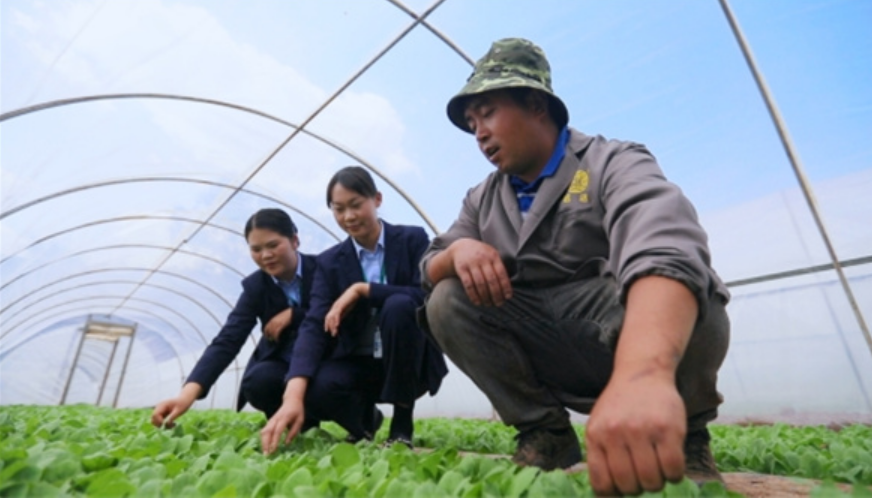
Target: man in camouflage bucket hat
[(577, 276), (510, 63)]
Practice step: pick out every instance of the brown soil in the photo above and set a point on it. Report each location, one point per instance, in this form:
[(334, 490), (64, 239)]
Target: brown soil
[(759, 485), (747, 484)]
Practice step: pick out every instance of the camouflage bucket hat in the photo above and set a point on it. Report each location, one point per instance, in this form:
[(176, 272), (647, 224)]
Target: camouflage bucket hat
[(510, 62)]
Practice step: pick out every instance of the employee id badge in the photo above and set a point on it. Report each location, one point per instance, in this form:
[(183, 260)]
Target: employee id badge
[(371, 342)]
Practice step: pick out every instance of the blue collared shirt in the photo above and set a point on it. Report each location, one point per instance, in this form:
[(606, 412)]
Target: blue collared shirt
[(527, 192), (292, 289), (372, 262)]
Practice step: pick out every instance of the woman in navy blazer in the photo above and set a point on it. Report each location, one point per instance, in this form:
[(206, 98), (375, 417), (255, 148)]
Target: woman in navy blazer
[(278, 295), (360, 343)]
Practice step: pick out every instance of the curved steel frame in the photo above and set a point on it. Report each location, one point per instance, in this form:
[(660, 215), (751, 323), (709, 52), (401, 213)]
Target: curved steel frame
[(212, 183), (293, 134), (836, 264), (139, 269), (104, 248), (250, 176), (142, 269), (193, 326), (297, 128), (236, 367), (113, 297), (139, 310), (432, 29), (101, 283), (798, 169), (79, 309), (118, 219)]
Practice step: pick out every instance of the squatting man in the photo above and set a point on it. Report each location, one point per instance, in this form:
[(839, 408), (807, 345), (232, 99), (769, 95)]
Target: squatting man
[(576, 276)]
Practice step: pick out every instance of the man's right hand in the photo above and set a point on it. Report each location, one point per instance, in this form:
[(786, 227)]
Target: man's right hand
[(479, 267)]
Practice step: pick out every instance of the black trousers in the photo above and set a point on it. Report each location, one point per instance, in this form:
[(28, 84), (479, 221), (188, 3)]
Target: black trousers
[(345, 390), (264, 384), (549, 349)]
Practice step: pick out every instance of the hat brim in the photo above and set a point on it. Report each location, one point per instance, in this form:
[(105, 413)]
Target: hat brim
[(476, 86)]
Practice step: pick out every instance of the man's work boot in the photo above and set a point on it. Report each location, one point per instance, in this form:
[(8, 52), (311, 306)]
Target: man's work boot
[(548, 449), (699, 463)]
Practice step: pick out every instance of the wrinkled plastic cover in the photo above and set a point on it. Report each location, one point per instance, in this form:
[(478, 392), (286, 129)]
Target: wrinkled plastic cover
[(129, 206)]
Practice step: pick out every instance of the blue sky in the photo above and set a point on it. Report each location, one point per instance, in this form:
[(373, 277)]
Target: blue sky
[(666, 74)]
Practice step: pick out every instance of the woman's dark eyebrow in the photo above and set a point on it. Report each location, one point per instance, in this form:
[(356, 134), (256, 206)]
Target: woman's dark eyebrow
[(355, 200)]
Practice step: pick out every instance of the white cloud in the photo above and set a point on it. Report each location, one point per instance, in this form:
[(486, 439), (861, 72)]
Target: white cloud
[(168, 47), (24, 21)]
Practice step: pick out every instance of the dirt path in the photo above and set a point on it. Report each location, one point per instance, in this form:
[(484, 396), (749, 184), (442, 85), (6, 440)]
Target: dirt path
[(759, 485), (756, 484), (749, 484)]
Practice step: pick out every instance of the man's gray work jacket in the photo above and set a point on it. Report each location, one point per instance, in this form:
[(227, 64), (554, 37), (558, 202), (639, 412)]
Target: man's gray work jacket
[(608, 209)]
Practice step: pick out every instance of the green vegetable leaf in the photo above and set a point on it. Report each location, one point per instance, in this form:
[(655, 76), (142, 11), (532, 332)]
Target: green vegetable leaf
[(98, 461), (151, 488), (227, 491), (110, 483), (400, 488), (14, 490), (228, 460), (553, 484), (212, 482), (19, 471), (684, 488), (306, 491), (428, 489), (345, 455), (522, 481), (453, 483), (302, 477)]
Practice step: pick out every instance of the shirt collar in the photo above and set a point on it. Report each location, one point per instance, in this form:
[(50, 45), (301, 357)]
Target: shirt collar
[(359, 250), (298, 274), (550, 167)]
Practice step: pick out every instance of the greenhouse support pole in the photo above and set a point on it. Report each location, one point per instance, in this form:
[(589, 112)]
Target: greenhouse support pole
[(798, 169), (73, 367), (124, 368), (108, 370)]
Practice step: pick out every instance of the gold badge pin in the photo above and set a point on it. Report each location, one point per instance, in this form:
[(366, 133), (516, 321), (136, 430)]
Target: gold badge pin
[(578, 186)]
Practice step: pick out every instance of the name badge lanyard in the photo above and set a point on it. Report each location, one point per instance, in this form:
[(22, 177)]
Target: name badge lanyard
[(376, 337), (381, 278)]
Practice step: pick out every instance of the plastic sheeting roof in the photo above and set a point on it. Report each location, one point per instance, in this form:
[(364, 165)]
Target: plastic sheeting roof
[(138, 136)]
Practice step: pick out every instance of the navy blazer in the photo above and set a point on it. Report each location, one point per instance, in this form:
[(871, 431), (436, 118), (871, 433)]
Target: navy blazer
[(261, 299), (337, 269)]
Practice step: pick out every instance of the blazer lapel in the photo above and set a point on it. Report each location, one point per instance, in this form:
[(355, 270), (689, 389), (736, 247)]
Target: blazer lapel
[(554, 188), (274, 297), (349, 264)]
